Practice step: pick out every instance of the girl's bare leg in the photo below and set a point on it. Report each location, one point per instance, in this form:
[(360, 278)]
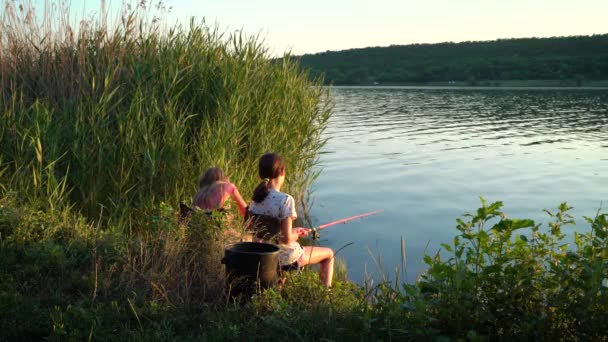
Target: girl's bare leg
[(323, 256)]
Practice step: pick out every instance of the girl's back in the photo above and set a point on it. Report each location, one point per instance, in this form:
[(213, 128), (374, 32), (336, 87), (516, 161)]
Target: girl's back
[(276, 204)]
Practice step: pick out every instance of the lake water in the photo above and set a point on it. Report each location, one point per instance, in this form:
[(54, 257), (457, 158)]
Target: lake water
[(425, 155)]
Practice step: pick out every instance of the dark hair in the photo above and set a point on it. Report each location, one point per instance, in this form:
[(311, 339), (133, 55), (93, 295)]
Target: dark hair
[(270, 166)]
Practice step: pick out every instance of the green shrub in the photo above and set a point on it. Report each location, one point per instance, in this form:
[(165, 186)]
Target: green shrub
[(48, 259), (512, 279)]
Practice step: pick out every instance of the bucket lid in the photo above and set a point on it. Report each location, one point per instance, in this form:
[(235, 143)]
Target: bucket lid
[(256, 248)]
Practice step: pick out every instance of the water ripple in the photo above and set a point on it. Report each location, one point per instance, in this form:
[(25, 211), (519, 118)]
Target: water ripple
[(414, 117)]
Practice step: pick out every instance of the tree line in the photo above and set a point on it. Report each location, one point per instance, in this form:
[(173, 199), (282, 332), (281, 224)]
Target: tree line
[(558, 58)]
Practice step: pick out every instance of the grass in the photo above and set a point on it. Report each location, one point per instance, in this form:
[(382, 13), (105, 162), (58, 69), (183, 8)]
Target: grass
[(64, 278), (114, 121)]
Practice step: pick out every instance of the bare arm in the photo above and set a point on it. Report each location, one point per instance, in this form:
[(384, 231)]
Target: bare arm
[(290, 234), (240, 203)]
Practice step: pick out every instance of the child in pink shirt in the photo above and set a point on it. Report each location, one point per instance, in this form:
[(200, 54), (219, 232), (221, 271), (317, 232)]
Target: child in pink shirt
[(215, 189)]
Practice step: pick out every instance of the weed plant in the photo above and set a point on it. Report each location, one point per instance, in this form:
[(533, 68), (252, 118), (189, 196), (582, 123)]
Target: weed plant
[(514, 279)]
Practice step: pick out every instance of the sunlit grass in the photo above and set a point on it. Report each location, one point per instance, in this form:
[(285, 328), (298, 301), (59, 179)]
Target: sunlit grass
[(115, 118)]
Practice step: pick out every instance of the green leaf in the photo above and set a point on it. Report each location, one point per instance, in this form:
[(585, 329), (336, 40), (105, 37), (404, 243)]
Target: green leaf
[(513, 224), (519, 224), (563, 207), (483, 201), (502, 225), (483, 238), (493, 208), (459, 252), (491, 269), (428, 260)]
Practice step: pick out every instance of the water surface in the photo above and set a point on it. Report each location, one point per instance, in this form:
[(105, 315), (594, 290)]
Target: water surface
[(425, 155)]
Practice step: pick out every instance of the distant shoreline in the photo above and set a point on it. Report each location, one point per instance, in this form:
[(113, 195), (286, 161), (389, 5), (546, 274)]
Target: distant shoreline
[(529, 62)]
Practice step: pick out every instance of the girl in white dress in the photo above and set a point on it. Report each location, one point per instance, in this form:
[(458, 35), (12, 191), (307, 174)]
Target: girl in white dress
[(269, 201)]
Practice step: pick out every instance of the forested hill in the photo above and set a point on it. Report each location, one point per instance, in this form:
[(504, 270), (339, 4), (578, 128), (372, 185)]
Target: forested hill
[(578, 58)]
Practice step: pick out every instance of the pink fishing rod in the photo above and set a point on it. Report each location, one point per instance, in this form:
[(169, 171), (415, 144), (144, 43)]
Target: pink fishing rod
[(315, 231)]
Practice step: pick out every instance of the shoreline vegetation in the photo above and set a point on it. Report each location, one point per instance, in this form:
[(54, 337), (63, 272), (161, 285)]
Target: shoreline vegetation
[(556, 61), (104, 131)]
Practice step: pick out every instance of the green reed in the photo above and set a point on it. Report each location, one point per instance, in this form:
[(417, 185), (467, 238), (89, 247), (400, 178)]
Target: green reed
[(112, 119)]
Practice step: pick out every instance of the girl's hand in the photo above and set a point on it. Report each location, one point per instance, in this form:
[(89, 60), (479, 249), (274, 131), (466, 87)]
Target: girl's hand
[(302, 231)]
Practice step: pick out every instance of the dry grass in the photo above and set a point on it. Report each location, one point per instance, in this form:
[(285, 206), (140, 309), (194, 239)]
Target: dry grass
[(182, 265)]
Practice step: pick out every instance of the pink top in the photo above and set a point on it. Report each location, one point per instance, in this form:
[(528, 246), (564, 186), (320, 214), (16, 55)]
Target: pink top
[(214, 197)]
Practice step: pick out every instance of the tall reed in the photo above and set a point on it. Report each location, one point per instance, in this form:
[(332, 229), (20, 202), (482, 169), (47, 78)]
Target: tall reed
[(115, 118)]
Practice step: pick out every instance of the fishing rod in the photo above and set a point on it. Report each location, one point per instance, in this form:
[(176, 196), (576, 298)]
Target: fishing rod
[(315, 231)]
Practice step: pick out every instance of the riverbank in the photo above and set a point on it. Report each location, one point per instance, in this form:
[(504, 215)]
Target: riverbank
[(63, 278)]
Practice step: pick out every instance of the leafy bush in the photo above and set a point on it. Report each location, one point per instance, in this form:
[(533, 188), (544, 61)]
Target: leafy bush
[(512, 279), (48, 259)]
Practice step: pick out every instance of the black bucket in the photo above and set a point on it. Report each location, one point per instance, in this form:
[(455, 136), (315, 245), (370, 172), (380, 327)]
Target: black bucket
[(250, 267)]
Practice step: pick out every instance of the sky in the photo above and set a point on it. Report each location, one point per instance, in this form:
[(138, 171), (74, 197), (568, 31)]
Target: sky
[(314, 25)]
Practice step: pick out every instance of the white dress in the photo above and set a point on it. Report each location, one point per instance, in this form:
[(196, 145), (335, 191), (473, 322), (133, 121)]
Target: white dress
[(280, 205)]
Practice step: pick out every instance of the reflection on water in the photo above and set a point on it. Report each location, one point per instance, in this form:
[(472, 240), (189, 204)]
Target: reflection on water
[(426, 155)]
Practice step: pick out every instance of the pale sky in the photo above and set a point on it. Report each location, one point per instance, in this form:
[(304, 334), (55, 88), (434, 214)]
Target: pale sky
[(314, 25)]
